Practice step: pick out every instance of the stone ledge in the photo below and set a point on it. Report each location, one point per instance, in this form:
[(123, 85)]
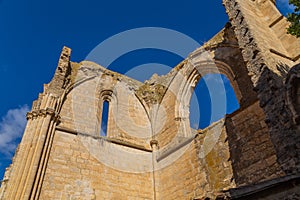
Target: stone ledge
[(172, 149), (250, 191), (112, 140)]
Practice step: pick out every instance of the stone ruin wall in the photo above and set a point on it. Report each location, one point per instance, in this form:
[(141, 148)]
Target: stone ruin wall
[(252, 153), (74, 173), (78, 171), (191, 170), (67, 158), (187, 165), (269, 53)]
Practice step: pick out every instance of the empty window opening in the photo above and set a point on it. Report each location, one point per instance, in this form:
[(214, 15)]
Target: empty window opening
[(212, 99), (104, 121)]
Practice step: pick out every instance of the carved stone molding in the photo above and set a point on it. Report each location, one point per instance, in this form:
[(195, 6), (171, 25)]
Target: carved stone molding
[(42, 113), (106, 95), (292, 92)]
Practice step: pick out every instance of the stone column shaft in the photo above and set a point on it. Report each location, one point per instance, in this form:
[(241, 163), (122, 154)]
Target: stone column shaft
[(33, 150)]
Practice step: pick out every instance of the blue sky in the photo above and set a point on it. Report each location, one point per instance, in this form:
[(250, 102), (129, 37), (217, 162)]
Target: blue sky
[(32, 34)]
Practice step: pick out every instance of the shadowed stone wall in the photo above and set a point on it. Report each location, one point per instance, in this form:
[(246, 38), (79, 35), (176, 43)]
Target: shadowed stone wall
[(269, 53), (150, 151)]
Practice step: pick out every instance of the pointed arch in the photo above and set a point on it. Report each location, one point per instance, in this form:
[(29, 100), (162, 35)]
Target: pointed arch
[(187, 79)]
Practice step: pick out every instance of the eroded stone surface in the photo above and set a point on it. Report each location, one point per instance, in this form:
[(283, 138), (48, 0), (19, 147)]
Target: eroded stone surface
[(150, 151)]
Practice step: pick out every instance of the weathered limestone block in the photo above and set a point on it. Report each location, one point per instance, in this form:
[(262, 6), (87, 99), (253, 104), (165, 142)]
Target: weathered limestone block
[(150, 150)]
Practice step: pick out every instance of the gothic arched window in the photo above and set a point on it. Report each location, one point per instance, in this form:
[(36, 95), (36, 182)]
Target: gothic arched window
[(213, 97), (105, 98)]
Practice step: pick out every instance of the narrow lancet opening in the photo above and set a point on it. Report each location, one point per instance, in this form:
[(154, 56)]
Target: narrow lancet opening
[(104, 121)]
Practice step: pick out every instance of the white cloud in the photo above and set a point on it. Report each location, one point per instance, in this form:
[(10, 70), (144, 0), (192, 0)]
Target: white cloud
[(11, 129)]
